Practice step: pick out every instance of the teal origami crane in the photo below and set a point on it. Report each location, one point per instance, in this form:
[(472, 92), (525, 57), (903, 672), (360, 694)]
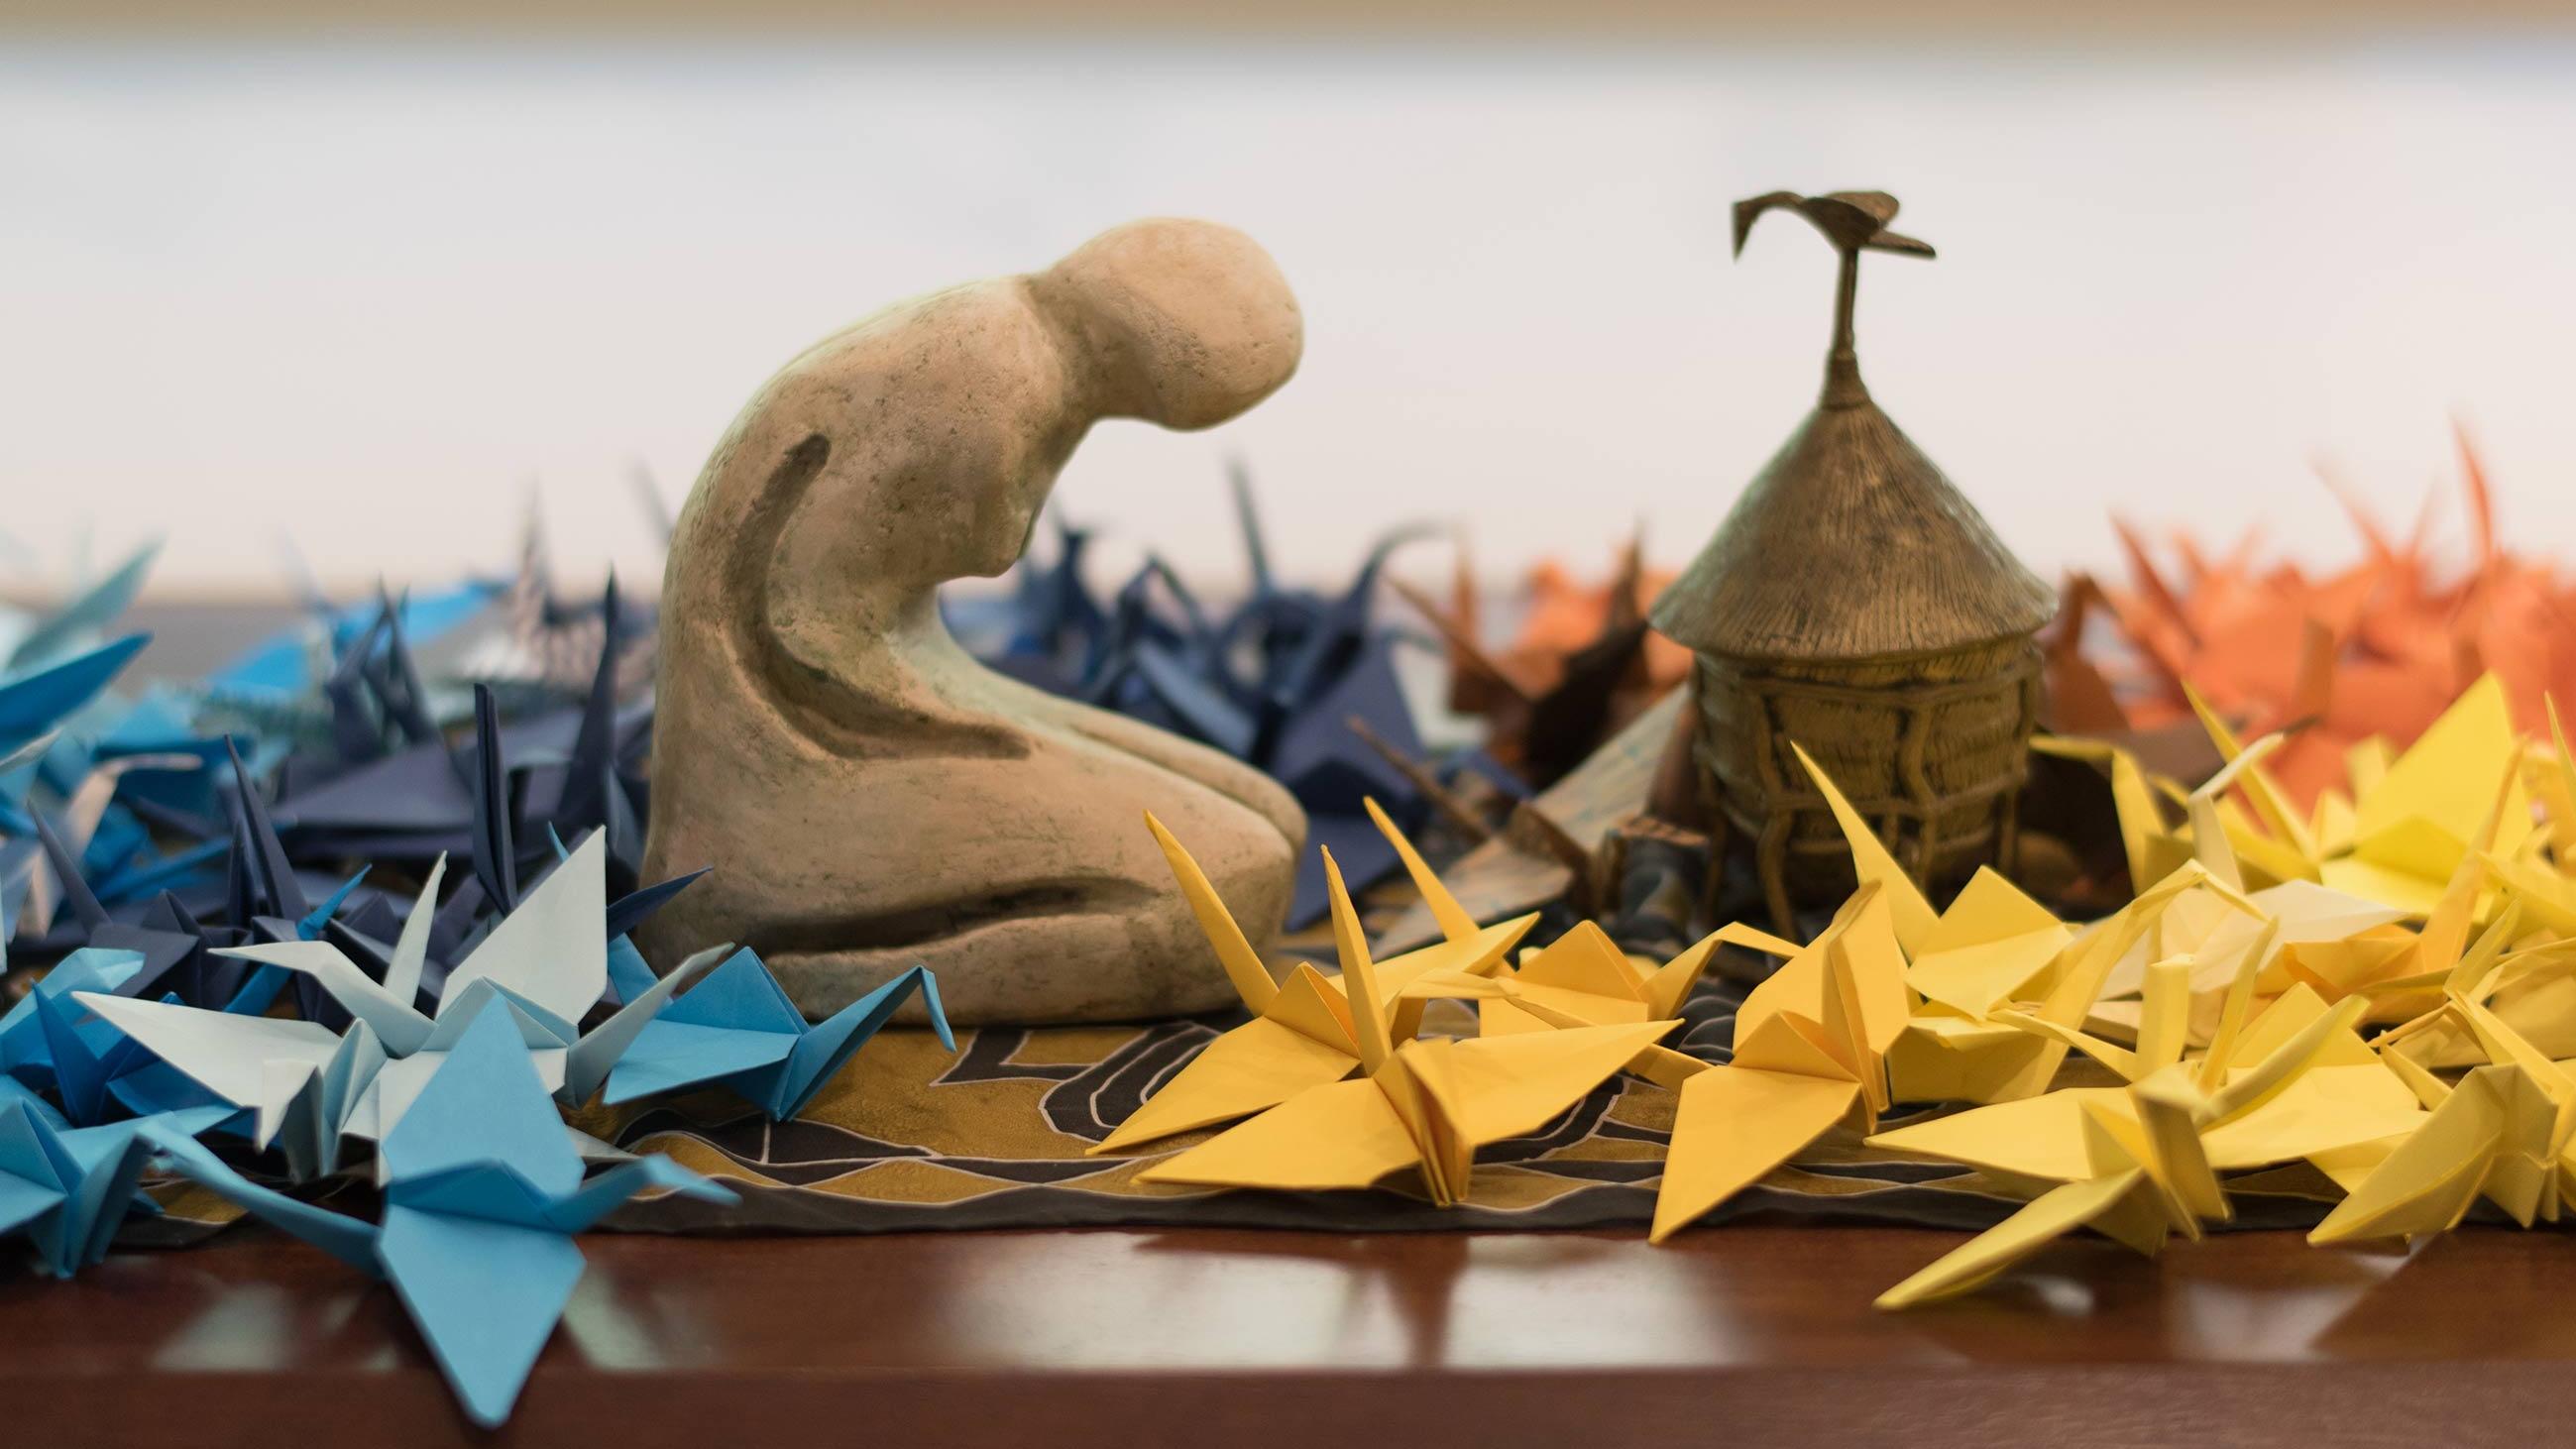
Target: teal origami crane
[(81, 619), (46, 1041), (738, 1029), (32, 698), (26, 1049), (483, 1196)]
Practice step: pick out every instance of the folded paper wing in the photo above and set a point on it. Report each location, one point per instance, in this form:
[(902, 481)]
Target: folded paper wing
[(552, 950), (233, 1056), (1732, 1127), (2117, 1197), (32, 701)]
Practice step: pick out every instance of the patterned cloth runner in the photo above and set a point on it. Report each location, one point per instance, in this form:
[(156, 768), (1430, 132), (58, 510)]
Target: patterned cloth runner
[(911, 1138)]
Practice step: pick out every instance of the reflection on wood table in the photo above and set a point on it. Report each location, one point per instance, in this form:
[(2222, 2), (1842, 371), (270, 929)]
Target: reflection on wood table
[(1747, 1335)]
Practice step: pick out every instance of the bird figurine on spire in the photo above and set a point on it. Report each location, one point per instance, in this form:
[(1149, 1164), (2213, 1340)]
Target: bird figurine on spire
[(1854, 221)]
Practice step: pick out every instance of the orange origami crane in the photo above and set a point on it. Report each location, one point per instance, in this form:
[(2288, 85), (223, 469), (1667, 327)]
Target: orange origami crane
[(1581, 664), (2379, 648)]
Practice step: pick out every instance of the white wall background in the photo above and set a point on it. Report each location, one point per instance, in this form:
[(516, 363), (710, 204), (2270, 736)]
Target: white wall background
[(362, 294)]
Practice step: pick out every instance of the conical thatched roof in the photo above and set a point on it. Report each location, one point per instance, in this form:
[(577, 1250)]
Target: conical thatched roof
[(1851, 545)]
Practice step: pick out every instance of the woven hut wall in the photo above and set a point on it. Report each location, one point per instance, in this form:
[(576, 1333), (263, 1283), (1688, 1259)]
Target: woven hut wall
[(1929, 748)]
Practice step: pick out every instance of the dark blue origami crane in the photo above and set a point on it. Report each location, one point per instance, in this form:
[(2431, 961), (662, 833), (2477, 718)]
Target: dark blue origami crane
[(1301, 685)]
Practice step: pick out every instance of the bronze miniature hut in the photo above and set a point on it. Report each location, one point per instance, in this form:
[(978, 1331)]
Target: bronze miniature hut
[(1855, 603)]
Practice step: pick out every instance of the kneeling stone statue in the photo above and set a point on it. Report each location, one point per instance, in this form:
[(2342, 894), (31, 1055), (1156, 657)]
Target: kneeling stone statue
[(869, 795)]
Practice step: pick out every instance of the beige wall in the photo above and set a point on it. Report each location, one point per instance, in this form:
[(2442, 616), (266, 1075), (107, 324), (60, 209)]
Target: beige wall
[(361, 293)]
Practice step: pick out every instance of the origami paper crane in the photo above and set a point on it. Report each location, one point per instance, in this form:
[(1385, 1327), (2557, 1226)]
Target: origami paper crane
[(2415, 819), (2339, 940), (1304, 1033), (67, 1188), (1301, 685), (2375, 649), (2139, 1162), (1848, 1026), (1581, 665), (1583, 978), (2503, 1132), (33, 1025), (2395, 839), (546, 962), (1426, 1104), (483, 1195), (1810, 1049), (87, 1060), (1993, 946), (738, 1028)]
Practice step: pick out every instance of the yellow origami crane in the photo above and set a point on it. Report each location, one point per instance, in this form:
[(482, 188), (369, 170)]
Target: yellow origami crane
[(2546, 887), (2309, 928), (2396, 840), (1303, 1033), (2413, 823), (1848, 1025), (1581, 979), (2504, 1132), (1995, 946), (2142, 1161), (1420, 1103), (2410, 983), (1810, 1050)]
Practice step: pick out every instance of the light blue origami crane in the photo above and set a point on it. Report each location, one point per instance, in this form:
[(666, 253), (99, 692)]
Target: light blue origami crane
[(547, 963), (738, 1028), (484, 1194), (67, 1188)]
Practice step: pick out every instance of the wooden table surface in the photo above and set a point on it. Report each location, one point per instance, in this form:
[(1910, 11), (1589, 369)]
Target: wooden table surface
[(1743, 1336)]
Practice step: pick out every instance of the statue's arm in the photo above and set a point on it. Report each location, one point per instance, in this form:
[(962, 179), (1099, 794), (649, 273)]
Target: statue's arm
[(1218, 771)]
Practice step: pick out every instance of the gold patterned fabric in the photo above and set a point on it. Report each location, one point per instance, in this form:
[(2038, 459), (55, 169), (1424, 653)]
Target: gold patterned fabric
[(910, 1137)]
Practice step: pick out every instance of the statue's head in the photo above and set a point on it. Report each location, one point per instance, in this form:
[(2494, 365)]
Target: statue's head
[(1187, 323), (920, 445)]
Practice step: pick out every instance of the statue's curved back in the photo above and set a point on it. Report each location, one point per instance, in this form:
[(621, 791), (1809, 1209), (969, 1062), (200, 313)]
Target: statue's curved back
[(804, 667)]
